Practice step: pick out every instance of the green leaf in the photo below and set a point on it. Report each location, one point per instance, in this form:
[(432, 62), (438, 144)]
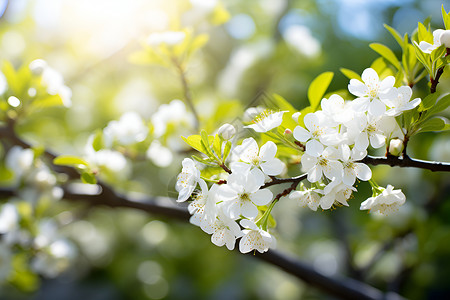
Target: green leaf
[(217, 145), (442, 104), (220, 15), (318, 88), (48, 101), (435, 124), (97, 143), (283, 104), (69, 160), (396, 35), (88, 178), (226, 151), (424, 34), (386, 53), (350, 74), (205, 161), (446, 18), (429, 101)]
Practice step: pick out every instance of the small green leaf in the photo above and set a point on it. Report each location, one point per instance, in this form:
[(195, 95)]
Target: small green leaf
[(207, 162), (226, 151), (88, 178), (69, 160), (318, 88), (217, 145), (442, 104), (97, 143), (283, 104), (446, 18), (424, 34), (435, 124), (395, 34), (386, 53), (429, 101), (195, 141), (350, 74)]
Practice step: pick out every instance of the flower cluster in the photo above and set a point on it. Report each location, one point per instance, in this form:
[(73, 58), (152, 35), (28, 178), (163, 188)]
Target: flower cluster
[(332, 142)]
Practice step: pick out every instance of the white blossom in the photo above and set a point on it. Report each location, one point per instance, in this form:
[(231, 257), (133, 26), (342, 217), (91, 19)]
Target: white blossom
[(316, 135), (129, 129), (224, 230), (187, 179), (252, 157), (387, 202), (242, 194), (336, 192), (255, 238), (308, 197), (402, 102), (267, 121), (326, 163), (371, 93), (203, 207), (159, 155), (351, 168)]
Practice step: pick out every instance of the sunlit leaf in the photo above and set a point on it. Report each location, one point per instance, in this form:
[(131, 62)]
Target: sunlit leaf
[(318, 88)]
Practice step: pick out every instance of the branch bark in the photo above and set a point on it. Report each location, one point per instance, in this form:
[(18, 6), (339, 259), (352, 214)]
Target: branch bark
[(407, 162)]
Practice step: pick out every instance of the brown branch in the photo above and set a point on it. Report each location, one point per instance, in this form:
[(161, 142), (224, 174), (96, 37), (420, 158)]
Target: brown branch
[(434, 81), (276, 180), (407, 162)]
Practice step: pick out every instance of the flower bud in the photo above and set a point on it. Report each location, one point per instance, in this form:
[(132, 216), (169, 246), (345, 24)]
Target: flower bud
[(287, 132), (226, 131), (295, 116), (445, 38), (38, 66), (396, 147)]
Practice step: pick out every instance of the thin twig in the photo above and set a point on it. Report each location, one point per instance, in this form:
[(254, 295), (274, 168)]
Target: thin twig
[(186, 91)]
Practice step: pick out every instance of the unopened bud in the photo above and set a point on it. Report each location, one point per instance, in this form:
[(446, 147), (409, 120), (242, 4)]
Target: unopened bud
[(295, 116), (38, 66), (396, 147), (226, 131), (445, 38), (287, 132)]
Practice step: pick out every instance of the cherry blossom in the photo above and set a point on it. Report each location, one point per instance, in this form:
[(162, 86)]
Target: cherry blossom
[(253, 157), (255, 238), (242, 194), (371, 93), (308, 197), (351, 168), (386, 202), (267, 121), (402, 102), (224, 231), (326, 163), (187, 179)]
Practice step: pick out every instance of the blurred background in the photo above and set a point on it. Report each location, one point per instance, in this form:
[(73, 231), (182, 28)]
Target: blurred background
[(266, 46)]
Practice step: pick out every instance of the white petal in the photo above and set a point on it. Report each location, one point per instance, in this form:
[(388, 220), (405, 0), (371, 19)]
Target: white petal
[(268, 151), (272, 167), (370, 76), (377, 140), (349, 177), (248, 150), (301, 134), (315, 174), (249, 210), (261, 197), (362, 141), (314, 148), (357, 88), (387, 83), (311, 121), (363, 172), (377, 108)]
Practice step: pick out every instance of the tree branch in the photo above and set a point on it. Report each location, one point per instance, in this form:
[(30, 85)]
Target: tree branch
[(407, 162)]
